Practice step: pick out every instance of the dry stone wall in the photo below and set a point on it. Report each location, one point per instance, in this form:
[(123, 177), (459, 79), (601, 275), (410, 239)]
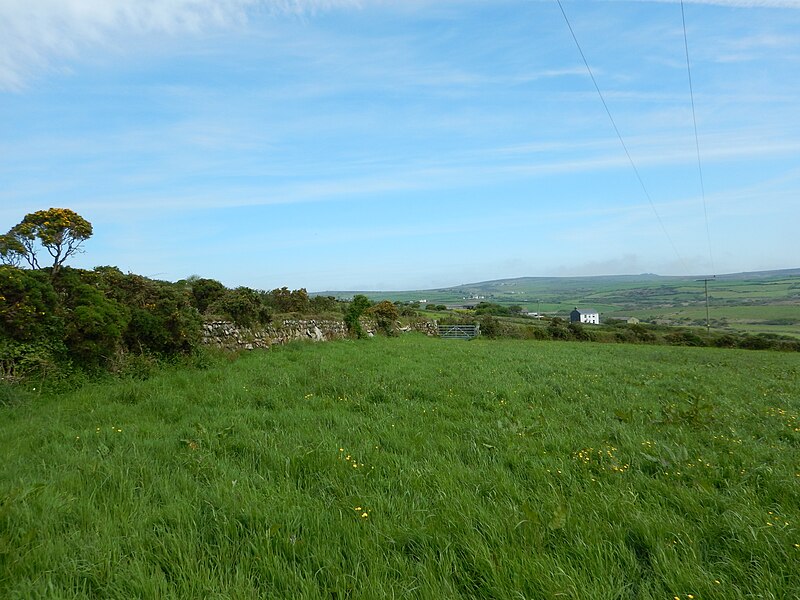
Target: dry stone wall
[(224, 334)]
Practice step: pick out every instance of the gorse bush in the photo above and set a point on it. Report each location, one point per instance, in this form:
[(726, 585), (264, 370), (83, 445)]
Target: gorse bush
[(288, 301), (27, 305), (244, 306), (89, 317), (386, 315)]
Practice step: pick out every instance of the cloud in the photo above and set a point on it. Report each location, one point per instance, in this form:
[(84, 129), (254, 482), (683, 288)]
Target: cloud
[(730, 3), (37, 34)]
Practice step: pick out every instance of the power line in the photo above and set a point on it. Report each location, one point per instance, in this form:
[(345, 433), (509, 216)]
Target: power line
[(697, 140), (706, 280), (619, 135)]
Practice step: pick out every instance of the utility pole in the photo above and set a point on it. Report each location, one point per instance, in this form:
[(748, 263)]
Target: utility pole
[(705, 281)]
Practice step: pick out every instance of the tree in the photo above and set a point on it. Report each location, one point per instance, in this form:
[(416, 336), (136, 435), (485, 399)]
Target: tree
[(12, 250), (60, 231)]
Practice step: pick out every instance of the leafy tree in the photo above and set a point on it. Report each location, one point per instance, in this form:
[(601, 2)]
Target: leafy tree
[(60, 231), (12, 250)]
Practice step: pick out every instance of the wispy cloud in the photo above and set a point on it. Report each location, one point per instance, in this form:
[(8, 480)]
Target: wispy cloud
[(38, 34), (729, 3)]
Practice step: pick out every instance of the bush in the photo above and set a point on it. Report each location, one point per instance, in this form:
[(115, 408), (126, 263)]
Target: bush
[(755, 342), (93, 323), (243, 306), (162, 316), (353, 313), (386, 315), (323, 304), (28, 305), (490, 327), (725, 341), (19, 361), (557, 331), (684, 338), (490, 308), (285, 301), (579, 332), (205, 292)]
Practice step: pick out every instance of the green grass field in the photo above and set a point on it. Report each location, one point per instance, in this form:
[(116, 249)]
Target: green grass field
[(412, 468), (748, 302)]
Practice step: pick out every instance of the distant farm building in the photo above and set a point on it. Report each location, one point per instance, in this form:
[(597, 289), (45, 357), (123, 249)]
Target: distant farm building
[(584, 315), (628, 320)]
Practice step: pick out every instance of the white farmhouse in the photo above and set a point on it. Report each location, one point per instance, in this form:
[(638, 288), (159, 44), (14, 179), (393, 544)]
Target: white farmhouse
[(584, 315)]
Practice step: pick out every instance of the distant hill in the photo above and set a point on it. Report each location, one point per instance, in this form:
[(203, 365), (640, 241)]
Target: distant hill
[(758, 301), (558, 285)]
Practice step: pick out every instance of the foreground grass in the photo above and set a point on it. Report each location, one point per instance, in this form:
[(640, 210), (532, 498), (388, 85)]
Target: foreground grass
[(413, 468)]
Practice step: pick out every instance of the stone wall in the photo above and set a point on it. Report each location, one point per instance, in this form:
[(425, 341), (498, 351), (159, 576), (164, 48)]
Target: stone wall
[(225, 334)]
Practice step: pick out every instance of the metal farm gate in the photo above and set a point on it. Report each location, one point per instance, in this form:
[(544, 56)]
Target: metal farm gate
[(459, 332)]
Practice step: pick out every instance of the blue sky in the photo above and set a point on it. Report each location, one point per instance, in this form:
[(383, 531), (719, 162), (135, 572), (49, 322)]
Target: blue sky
[(335, 144)]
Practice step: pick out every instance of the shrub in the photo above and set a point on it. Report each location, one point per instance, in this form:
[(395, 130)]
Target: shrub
[(243, 306), (557, 331), (490, 308), (162, 316), (323, 304), (640, 333), (755, 342), (354, 311), (684, 338), (23, 360), (579, 332), (205, 292), (28, 305), (385, 314), (725, 341), (490, 326), (285, 300), (93, 323)]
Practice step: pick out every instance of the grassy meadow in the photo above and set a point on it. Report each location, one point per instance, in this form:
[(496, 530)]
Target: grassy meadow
[(411, 468)]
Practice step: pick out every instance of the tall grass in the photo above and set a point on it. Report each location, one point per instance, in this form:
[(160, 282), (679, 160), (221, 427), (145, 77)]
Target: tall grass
[(413, 468)]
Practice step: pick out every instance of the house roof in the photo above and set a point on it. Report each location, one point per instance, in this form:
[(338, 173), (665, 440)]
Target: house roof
[(587, 311)]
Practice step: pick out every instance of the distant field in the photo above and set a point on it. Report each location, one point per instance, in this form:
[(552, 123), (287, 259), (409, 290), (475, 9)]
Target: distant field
[(412, 468), (776, 319), (748, 302)]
